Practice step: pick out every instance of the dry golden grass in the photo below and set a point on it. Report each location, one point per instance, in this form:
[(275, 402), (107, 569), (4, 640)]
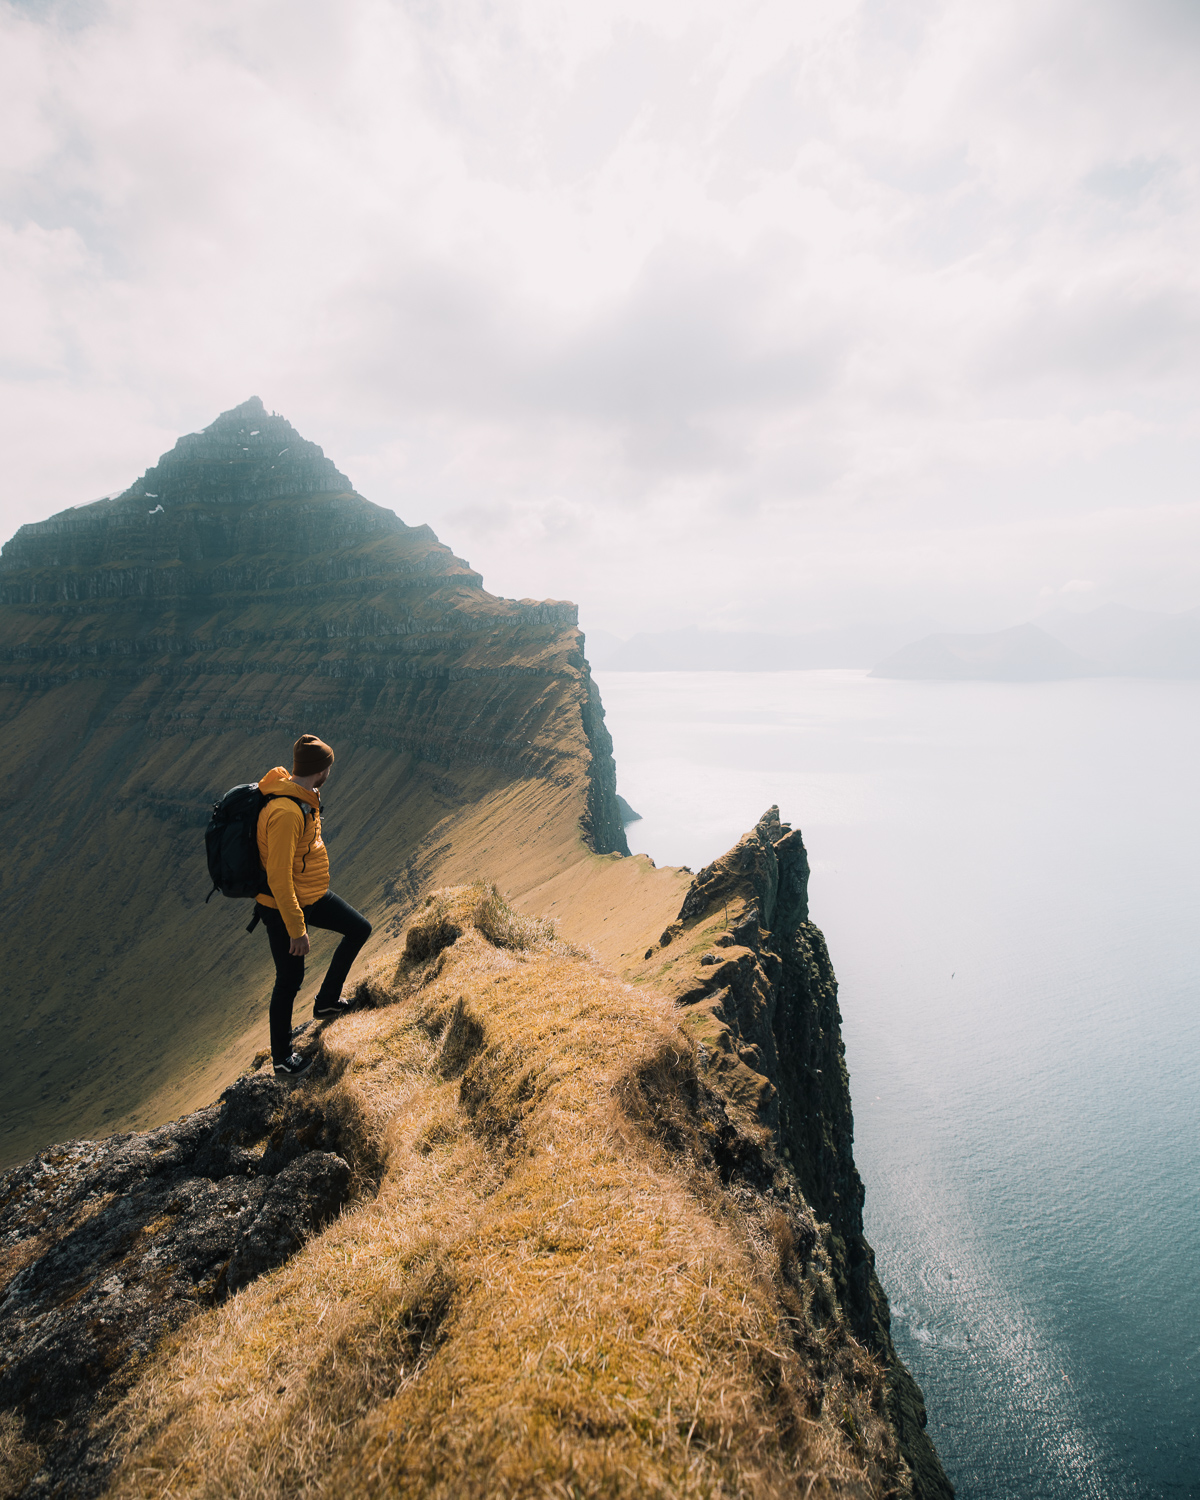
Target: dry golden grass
[(19, 1460), (550, 1294)]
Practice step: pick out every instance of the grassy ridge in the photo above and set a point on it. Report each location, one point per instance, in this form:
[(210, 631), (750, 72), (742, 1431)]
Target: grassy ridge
[(544, 1286)]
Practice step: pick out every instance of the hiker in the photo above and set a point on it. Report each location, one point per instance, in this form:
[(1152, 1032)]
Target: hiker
[(297, 865)]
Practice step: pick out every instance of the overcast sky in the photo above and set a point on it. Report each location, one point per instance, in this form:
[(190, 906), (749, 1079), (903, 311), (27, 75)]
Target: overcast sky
[(730, 314)]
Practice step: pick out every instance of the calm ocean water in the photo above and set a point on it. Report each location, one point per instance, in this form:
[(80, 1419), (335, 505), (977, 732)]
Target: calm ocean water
[(1009, 879)]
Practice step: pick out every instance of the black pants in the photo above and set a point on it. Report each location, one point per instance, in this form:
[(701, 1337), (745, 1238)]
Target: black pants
[(334, 915)]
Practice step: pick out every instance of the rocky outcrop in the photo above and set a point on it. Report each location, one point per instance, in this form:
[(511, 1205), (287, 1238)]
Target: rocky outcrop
[(107, 1245), (753, 976), (627, 813)]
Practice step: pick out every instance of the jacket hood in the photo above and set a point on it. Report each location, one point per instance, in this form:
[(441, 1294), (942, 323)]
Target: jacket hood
[(279, 780)]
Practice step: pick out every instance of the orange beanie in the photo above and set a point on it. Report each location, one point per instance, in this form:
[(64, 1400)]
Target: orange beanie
[(310, 755)]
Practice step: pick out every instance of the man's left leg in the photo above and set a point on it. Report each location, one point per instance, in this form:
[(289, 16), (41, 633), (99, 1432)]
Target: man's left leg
[(335, 915)]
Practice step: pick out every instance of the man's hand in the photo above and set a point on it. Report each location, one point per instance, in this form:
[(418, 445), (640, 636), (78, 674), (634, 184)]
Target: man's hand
[(299, 946)]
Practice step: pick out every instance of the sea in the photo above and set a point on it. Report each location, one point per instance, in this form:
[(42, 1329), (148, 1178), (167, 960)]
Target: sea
[(1008, 875)]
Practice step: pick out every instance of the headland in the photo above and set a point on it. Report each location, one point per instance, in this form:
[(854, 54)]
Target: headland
[(569, 1205)]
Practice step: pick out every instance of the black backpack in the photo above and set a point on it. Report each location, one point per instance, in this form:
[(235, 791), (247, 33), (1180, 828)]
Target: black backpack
[(231, 843)]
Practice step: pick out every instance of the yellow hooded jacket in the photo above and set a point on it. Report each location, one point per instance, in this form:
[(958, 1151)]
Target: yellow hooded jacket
[(291, 849)]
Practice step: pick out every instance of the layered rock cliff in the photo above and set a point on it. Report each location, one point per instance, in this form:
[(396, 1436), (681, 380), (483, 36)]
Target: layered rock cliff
[(162, 645)]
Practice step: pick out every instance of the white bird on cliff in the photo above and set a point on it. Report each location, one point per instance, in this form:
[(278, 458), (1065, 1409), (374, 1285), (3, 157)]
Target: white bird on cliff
[(158, 510)]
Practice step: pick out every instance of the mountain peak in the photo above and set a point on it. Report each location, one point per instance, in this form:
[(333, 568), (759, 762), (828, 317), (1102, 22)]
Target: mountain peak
[(251, 408), (247, 454)]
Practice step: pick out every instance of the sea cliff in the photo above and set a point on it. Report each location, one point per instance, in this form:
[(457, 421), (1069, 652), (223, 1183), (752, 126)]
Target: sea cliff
[(756, 990)]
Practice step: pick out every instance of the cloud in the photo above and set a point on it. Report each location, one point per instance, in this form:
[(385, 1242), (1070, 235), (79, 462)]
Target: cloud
[(897, 296)]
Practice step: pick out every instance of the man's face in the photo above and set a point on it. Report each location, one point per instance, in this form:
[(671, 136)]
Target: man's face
[(322, 778)]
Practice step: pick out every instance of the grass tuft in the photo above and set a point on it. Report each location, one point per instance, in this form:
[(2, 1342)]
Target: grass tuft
[(19, 1460), (506, 928)]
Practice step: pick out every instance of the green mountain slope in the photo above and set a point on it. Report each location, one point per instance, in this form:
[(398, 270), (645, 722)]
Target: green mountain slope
[(165, 644)]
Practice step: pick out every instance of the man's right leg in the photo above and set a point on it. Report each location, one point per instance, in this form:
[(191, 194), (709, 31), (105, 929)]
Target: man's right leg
[(336, 915), (289, 976)]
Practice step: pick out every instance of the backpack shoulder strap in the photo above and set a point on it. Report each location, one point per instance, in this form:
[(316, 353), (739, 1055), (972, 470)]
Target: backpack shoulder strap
[(305, 807)]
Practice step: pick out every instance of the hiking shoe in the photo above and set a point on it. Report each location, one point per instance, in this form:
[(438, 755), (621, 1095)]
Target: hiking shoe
[(327, 1010), (292, 1067)]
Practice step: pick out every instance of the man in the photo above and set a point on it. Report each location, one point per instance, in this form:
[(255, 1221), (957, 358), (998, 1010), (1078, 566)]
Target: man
[(297, 865)]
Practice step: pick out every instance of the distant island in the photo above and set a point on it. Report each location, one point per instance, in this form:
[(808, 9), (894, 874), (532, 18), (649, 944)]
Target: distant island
[(1109, 641), (1025, 653)]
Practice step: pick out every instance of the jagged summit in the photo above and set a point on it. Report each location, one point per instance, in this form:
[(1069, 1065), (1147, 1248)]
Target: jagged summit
[(248, 487), (248, 454), (217, 494), (244, 460)]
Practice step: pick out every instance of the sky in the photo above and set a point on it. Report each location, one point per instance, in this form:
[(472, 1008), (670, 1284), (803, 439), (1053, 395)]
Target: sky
[(740, 315)]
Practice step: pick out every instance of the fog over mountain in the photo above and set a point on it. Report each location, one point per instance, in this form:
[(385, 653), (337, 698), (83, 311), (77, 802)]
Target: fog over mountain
[(770, 319)]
